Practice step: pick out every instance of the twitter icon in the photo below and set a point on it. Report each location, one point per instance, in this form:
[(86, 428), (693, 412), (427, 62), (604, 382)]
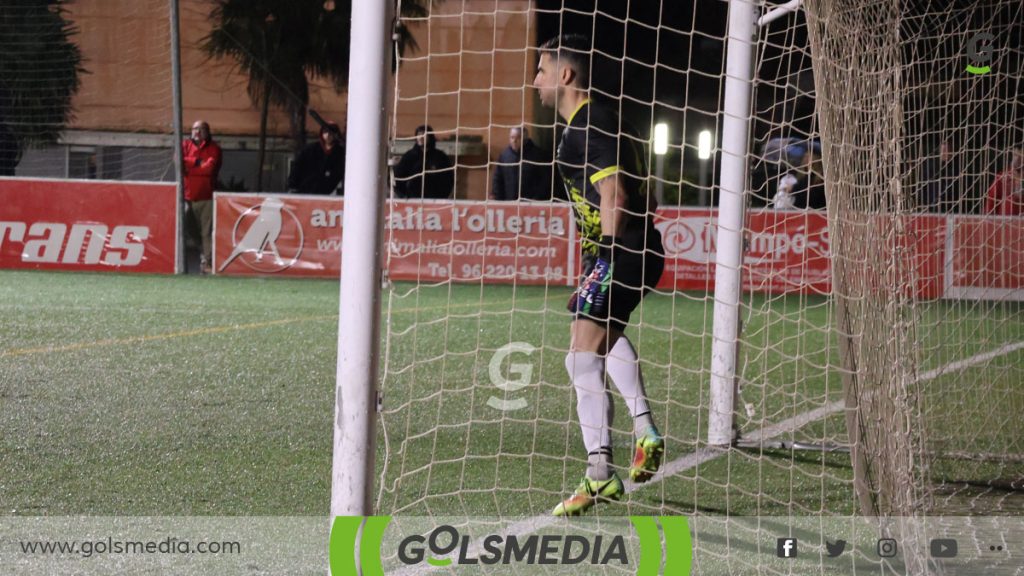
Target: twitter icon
[(835, 549)]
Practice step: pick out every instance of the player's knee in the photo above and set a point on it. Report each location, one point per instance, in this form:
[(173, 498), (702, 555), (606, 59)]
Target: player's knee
[(586, 370)]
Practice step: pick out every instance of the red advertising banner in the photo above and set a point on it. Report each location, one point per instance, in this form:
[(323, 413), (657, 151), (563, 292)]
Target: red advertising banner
[(787, 251), (986, 260), (534, 243), (522, 243), (425, 241), (87, 225)]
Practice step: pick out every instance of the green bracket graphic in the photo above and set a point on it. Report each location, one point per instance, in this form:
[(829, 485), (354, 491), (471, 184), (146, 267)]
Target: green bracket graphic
[(342, 548), (650, 545), (979, 69), (678, 547), (369, 551), (678, 551)]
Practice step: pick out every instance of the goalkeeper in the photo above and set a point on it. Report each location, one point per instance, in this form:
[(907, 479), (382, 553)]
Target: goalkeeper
[(604, 176)]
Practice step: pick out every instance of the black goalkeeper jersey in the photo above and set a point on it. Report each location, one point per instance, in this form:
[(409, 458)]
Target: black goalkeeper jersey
[(594, 147)]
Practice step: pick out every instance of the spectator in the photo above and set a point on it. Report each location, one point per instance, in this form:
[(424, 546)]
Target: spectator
[(809, 190), (522, 163), (1005, 197), (201, 157), (8, 149), (783, 199), (320, 166), (424, 171), (938, 178)]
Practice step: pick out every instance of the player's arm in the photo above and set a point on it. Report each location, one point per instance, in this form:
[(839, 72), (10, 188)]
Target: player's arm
[(605, 173), (613, 201), (592, 295)]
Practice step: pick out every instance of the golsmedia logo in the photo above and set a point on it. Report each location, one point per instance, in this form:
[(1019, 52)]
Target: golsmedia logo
[(445, 545), (497, 549), (979, 53)]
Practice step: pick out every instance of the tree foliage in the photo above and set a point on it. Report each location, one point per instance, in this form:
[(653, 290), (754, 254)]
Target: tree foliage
[(280, 44), (39, 74)]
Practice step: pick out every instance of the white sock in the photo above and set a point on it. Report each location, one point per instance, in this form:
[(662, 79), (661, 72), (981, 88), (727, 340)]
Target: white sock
[(599, 464), (624, 369), (593, 406)]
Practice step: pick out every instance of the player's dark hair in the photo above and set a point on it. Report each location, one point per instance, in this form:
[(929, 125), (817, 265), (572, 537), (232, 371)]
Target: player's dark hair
[(574, 50)]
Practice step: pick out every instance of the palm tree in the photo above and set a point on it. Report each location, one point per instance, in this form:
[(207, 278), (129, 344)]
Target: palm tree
[(39, 73), (280, 44)]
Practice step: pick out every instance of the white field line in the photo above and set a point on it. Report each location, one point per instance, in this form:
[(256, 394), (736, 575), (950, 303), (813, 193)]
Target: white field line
[(706, 454)]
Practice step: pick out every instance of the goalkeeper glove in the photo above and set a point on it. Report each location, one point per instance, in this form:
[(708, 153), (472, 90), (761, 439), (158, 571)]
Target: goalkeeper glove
[(592, 295)]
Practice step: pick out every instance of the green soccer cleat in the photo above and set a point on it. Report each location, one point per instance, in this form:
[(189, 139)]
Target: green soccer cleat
[(588, 493), (647, 459)]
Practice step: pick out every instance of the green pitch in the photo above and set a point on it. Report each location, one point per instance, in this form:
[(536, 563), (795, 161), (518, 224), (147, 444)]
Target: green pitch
[(141, 395)]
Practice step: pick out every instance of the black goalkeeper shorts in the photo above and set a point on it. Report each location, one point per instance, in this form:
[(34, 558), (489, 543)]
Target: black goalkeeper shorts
[(633, 276)]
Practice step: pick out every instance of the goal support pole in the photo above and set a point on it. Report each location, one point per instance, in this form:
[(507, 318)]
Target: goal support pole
[(732, 205), (176, 138), (359, 305)]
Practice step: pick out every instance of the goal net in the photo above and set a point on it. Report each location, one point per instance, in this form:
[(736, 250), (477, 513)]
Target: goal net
[(881, 343), (115, 123)]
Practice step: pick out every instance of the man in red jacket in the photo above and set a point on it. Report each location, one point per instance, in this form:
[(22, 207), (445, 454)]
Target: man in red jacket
[(1005, 196), (202, 158)]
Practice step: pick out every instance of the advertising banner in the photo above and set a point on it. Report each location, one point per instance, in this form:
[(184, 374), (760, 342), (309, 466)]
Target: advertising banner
[(786, 251), (986, 258), (535, 243), (426, 241), (87, 225)]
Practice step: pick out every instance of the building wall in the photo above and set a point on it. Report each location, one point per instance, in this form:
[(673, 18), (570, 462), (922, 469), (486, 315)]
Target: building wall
[(126, 46), (468, 80)]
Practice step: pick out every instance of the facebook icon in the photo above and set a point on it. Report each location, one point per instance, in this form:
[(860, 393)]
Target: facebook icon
[(786, 548)]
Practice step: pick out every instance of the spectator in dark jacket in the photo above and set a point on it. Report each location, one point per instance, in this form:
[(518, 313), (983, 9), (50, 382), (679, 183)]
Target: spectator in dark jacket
[(424, 171), (938, 179), (522, 164), (9, 149), (320, 166)]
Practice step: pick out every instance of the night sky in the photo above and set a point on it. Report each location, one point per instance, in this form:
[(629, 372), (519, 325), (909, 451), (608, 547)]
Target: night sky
[(664, 61)]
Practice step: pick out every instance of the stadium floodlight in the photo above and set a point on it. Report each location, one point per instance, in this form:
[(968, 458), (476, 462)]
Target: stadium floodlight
[(660, 138), (660, 149), (704, 153), (704, 145)]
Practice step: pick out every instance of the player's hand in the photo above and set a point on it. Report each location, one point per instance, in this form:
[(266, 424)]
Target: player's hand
[(592, 295)]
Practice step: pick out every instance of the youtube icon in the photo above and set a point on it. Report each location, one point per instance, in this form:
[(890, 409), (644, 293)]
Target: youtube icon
[(943, 548)]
